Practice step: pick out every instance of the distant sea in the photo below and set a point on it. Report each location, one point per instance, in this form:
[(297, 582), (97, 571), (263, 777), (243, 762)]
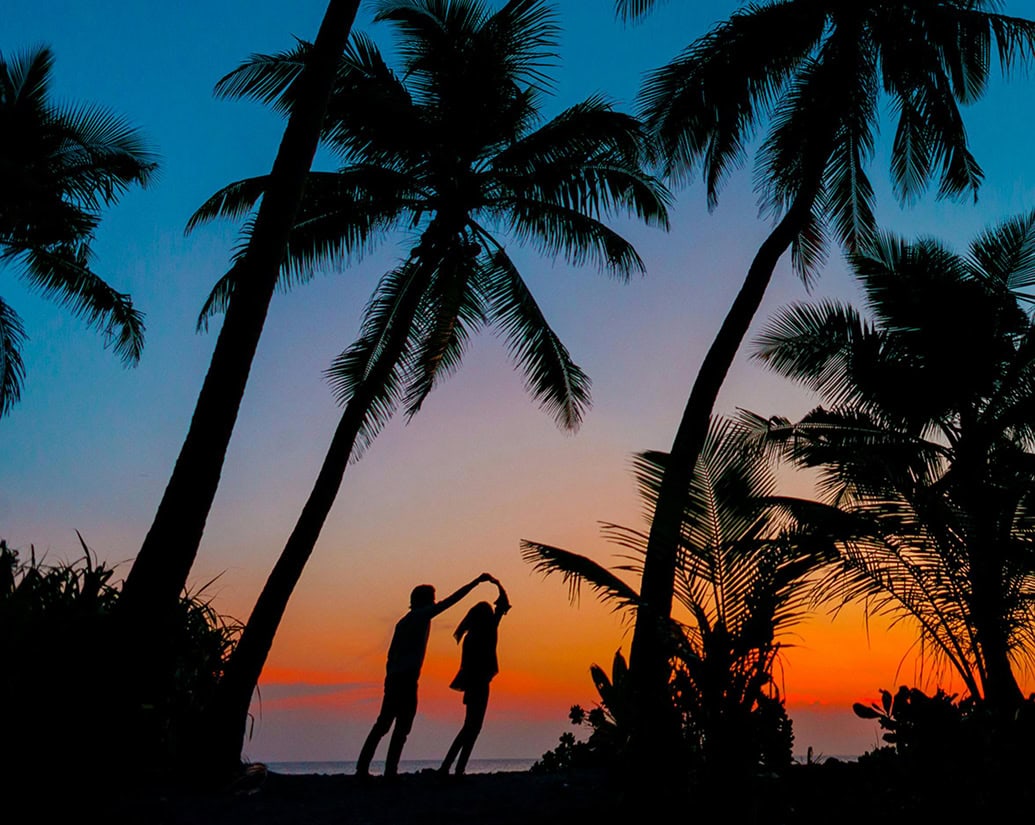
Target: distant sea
[(474, 766), (405, 766)]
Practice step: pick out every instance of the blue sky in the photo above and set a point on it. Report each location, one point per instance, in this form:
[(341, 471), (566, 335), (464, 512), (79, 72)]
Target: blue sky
[(91, 445)]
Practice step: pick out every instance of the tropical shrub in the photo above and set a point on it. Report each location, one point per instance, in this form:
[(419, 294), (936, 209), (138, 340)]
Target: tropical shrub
[(744, 580), (61, 662), (608, 722)]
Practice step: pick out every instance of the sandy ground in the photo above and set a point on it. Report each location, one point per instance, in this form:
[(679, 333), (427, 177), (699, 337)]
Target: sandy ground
[(842, 793), (425, 798)]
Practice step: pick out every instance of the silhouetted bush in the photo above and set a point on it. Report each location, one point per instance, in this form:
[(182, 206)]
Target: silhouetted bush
[(62, 686), (724, 737), (940, 737)]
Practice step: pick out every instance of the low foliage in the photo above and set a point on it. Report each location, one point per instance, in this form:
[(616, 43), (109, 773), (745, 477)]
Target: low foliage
[(743, 581), (61, 666), (941, 737)]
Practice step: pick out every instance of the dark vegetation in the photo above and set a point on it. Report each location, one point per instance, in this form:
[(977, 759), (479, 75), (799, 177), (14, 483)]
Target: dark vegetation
[(924, 440), (63, 715)]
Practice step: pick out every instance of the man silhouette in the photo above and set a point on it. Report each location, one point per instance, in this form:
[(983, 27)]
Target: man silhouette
[(402, 670)]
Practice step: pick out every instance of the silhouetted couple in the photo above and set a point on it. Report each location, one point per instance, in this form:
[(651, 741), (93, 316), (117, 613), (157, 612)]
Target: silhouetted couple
[(478, 665)]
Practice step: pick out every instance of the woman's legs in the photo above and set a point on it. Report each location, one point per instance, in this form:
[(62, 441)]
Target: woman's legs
[(476, 700), (454, 749)]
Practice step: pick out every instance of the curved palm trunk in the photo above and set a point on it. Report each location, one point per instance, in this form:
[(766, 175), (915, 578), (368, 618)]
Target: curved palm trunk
[(229, 714), (648, 662), (160, 571)]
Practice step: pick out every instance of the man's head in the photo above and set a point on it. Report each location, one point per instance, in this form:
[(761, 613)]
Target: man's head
[(423, 595)]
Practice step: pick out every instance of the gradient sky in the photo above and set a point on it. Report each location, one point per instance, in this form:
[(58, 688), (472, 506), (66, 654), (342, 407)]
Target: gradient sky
[(451, 493)]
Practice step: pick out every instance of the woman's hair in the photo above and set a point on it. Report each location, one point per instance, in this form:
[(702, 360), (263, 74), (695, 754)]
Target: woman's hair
[(481, 615)]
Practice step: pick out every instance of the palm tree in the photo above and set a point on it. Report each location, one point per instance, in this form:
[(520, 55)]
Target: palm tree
[(159, 573), (928, 436), (743, 578), (816, 71), (454, 149), (59, 166)]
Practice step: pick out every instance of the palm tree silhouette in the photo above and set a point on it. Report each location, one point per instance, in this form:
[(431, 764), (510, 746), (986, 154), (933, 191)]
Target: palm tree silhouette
[(927, 441), (159, 573), (743, 579), (59, 166), (816, 72), (452, 148)]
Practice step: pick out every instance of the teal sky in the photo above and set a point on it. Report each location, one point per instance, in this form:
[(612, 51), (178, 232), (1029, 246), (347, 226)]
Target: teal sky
[(91, 445)]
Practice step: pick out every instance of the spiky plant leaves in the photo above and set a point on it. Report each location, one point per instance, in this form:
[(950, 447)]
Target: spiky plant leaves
[(745, 577)]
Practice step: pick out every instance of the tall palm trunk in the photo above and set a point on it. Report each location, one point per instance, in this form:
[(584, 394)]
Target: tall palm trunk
[(1002, 693), (986, 546), (649, 654), (229, 715), (160, 571)]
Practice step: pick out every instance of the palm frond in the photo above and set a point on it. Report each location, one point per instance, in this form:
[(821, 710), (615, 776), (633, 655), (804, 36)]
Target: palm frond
[(552, 378), (705, 104), (809, 247), (633, 9), (931, 130), (12, 368), (101, 155), (822, 136), (593, 187), (450, 312), (1004, 255), (576, 570), (371, 117), (233, 202), (586, 130), (345, 214), (371, 370), (579, 238), (812, 344), (266, 78), (515, 43), (25, 77), (63, 274)]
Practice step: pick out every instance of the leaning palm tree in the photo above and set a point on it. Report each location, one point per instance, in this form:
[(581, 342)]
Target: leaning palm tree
[(453, 149), (743, 579), (159, 573), (929, 436), (815, 70), (59, 167)]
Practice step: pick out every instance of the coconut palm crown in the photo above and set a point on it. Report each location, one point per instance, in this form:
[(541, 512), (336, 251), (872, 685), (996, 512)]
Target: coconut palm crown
[(454, 150), (927, 437), (60, 165), (815, 72)]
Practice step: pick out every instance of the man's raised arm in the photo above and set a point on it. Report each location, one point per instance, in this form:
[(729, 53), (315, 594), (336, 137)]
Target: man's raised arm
[(453, 598)]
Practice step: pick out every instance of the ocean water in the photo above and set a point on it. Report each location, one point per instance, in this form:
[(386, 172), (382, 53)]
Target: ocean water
[(405, 766), (473, 766)]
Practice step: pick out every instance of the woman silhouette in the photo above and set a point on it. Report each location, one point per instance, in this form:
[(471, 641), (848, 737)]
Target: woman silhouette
[(478, 664)]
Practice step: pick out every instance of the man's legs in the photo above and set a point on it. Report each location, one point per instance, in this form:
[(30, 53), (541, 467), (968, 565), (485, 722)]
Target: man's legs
[(381, 726), (405, 711)]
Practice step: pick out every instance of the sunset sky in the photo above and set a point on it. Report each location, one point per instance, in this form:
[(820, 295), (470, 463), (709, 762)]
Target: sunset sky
[(453, 492)]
